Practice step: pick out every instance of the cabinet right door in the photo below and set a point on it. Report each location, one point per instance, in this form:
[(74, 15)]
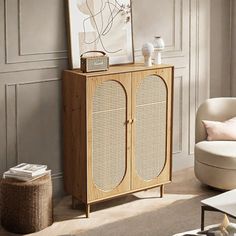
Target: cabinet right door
[(152, 128)]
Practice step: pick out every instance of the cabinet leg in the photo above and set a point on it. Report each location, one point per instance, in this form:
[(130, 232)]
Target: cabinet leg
[(161, 191), (87, 210), (74, 202)]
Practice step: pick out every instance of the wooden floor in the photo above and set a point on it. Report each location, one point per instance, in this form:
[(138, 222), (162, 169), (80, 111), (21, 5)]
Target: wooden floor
[(143, 213)]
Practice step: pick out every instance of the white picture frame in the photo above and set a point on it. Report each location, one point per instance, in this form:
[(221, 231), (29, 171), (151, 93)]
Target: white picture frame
[(102, 25)]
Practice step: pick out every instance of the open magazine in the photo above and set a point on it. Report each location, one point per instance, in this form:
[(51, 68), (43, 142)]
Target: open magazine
[(28, 169), (27, 172)]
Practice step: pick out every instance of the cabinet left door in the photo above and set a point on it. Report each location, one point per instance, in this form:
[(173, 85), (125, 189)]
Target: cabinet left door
[(108, 136)]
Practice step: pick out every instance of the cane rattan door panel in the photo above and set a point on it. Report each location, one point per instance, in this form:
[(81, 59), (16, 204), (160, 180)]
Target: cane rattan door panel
[(150, 102), (109, 135), (150, 125), (109, 165)]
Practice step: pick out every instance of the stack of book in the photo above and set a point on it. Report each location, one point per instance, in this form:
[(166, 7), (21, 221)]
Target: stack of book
[(26, 172)]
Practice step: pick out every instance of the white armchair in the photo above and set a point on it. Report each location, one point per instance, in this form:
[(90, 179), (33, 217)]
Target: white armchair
[(215, 161)]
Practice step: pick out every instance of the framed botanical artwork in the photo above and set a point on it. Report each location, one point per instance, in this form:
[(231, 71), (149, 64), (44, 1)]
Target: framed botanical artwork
[(100, 25)]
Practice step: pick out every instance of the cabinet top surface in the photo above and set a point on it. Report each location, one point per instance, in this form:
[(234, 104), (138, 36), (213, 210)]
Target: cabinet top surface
[(121, 69)]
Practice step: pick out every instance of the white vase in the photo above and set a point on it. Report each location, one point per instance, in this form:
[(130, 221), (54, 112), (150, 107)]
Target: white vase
[(159, 45), (157, 58), (147, 50)]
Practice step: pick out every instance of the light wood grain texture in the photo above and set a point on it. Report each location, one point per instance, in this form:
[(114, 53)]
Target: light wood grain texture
[(79, 92), (124, 79), (165, 176), (75, 133), (121, 69)]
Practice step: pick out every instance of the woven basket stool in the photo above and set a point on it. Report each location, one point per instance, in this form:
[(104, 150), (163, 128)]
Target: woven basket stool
[(26, 207)]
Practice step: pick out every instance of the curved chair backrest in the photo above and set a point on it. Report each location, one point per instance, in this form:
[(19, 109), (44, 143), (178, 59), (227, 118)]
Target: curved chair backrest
[(217, 109)]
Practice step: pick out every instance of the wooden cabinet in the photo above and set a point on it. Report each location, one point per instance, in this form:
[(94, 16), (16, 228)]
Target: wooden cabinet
[(117, 131)]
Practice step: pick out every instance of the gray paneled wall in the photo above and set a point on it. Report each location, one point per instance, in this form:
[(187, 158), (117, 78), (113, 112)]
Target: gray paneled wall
[(184, 25), (33, 55), (233, 47), (220, 48)]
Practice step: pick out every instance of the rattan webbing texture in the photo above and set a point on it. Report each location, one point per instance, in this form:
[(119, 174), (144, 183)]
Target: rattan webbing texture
[(26, 207), (109, 135), (150, 145)]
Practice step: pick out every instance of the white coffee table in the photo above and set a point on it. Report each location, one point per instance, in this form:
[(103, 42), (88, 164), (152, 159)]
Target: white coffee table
[(195, 231), (225, 203)]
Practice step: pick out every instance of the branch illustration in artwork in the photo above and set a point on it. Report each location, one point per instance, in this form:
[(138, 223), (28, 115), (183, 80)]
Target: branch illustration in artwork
[(113, 9)]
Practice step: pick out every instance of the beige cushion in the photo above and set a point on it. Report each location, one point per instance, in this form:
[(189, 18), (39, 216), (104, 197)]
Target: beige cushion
[(217, 109), (220, 154), (217, 130)]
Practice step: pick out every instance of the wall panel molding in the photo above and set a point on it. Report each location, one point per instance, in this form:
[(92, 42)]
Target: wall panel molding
[(11, 125), (22, 51), (15, 53), (13, 121), (178, 115), (199, 73), (32, 66), (176, 47), (194, 71), (58, 175)]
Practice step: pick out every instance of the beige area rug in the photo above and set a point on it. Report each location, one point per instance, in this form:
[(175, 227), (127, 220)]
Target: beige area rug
[(140, 214)]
